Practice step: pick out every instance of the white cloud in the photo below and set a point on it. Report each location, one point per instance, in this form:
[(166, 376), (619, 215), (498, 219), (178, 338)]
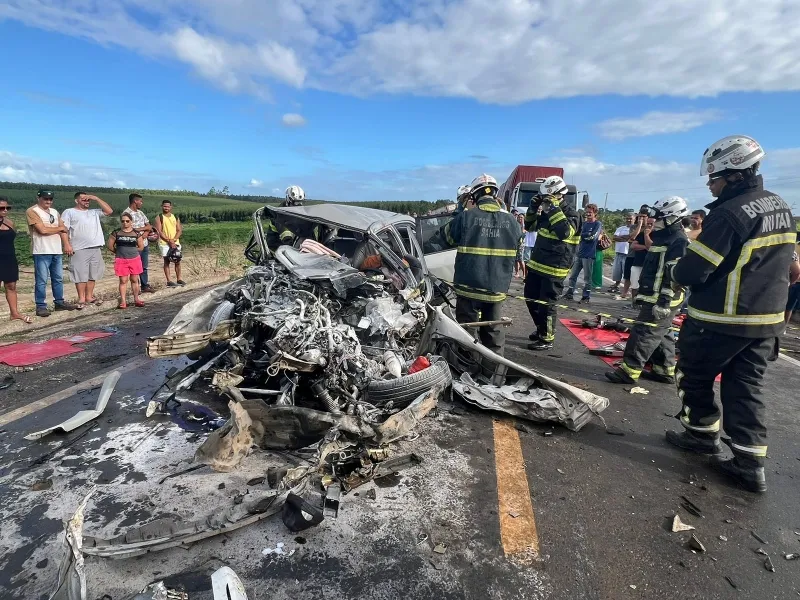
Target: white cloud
[(293, 120), (255, 183), (530, 50), (656, 123), (65, 166)]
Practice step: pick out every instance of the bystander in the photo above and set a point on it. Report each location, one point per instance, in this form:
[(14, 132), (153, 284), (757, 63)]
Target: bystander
[(9, 267), (696, 223), (169, 230), (621, 247), (585, 257), (141, 224), (86, 240), (48, 243)]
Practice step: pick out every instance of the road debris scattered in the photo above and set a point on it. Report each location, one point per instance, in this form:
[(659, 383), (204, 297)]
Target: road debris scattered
[(440, 548), (731, 582), (83, 416), (793, 556), (696, 544), (723, 538), (71, 580), (768, 565), (758, 537), (639, 390), (761, 551), (678, 525), (691, 507), (226, 585)]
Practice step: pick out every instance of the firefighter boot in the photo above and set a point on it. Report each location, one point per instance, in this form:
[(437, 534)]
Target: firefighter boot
[(619, 376), (750, 477), (657, 377), (568, 295), (540, 345), (689, 441)]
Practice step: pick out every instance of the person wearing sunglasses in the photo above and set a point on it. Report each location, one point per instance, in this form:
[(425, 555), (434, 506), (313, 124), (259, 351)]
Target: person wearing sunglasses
[(9, 268), (126, 243), (48, 242)]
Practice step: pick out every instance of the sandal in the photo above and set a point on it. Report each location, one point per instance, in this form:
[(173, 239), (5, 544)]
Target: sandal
[(79, 306), (24, 318), (122, 306), (94, 301), (138, 304)]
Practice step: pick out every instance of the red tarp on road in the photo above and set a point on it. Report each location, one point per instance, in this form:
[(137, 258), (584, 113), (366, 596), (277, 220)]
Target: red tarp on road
[(25, 354)]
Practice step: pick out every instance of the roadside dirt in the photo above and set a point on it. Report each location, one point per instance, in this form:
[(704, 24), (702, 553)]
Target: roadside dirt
[(201, 269)]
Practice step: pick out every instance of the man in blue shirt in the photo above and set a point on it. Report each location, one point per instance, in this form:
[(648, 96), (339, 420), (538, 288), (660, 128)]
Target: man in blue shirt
[(584, 259)]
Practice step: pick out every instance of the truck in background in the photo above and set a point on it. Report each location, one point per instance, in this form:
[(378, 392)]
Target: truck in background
[(523, 184)]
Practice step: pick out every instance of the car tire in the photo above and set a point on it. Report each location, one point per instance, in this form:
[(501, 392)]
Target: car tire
[(403, 391)]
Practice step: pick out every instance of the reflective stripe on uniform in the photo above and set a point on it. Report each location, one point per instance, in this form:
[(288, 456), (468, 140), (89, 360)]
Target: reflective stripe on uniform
[(713, 428), (752, 450), (447, 235), (557, 218), (489, 207), (286, 235), (661, 251), (702, 315), (702, 250), (632, 373), (546, 270), (573, 239), (732, 295), (659, 370), (473, 295), (486, 251)]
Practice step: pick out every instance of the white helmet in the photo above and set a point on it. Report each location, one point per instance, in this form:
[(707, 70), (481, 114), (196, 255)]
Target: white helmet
[(484, 181), (464, 189), (553, 185), (294, 195), (671, 209), (736, 152)]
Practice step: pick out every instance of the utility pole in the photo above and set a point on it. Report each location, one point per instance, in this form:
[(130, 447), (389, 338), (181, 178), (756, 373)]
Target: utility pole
[(605, 204)]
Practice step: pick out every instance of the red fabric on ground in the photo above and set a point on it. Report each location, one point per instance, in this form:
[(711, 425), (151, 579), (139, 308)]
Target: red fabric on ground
[(601, 338), (25, 354)]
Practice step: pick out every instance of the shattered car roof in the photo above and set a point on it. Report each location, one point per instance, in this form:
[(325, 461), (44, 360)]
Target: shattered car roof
[(356, 218)]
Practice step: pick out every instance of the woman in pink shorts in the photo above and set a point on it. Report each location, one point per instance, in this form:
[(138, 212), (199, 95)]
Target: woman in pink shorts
[(126, 244)]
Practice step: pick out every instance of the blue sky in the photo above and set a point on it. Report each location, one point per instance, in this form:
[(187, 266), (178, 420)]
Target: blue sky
[(379, 99)]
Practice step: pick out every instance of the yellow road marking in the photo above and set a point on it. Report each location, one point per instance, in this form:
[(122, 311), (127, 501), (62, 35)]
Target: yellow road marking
[(37, 405), (517, 521)]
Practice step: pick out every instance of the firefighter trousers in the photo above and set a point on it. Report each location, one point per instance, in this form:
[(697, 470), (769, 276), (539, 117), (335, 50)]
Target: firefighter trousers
[(704, 354), (472, 311), (543, 288), (650, 344)]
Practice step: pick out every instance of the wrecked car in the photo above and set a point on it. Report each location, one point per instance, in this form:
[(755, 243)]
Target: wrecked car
[(341, 324)]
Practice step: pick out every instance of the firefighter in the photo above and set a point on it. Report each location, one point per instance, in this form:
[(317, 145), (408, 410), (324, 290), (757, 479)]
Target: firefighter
[(736, 272), (657, 301), (558, 228), (487, 239), (462, 199), (277, 233)]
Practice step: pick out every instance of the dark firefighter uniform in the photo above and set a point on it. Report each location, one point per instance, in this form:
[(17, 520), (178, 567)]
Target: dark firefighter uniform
[(487, 239), (559, 233), (648, 343), (278, 233), (736, 270)]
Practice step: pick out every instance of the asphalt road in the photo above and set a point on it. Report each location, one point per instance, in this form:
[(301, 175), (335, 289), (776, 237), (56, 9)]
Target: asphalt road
[(599, 503)]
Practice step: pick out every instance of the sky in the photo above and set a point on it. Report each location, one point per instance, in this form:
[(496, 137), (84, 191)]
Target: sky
[(395, 99)]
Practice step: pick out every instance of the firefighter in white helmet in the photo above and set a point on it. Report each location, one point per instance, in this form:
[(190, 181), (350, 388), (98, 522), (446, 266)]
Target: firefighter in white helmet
[(651, 339), (559, 232), (487, 239), (737, 273), (462, 199)]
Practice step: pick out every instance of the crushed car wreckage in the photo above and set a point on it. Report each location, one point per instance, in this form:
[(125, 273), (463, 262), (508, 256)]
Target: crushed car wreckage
[(333, 350)]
